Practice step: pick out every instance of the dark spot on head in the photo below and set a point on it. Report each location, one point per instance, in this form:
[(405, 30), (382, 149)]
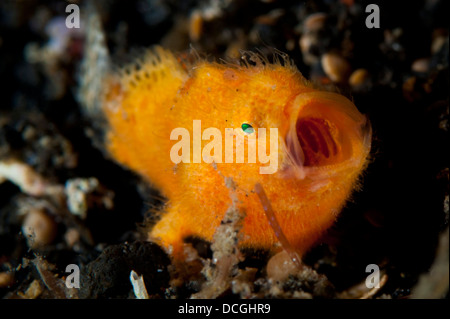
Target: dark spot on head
[(230, 75)]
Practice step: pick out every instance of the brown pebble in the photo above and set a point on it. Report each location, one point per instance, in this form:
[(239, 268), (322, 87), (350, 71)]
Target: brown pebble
[(437, 44), (439, 36), (39, 228), (33, 291), (421, 65), (270, 18), (315, 22), (306, 42), (335, 66), (195, 26), (280, 266), (290, 45), (310, 37), (409, 89), (72, 236), (358, 77), (233, 51), (6, 279)]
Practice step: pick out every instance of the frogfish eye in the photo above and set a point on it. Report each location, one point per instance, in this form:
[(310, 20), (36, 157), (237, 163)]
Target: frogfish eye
[(247, 128)]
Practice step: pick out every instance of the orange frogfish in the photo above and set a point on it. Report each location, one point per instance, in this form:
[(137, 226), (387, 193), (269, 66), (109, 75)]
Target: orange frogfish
[(183, 128)]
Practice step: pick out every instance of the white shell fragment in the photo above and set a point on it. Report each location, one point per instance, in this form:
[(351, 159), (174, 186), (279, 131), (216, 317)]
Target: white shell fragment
[(26, 178), (138, 285)]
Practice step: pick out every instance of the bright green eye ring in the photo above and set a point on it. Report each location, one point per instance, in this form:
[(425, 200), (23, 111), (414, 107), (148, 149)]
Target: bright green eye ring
[(247, 128)]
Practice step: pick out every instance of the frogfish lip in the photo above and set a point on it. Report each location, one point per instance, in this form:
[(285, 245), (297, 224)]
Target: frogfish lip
[(326, 136)]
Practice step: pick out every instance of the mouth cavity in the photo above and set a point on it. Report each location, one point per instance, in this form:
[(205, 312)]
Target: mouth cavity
[(317, 141)]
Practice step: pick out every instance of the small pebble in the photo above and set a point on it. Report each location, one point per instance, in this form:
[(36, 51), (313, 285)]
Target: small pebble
[(39, 228), (290, 45), (440, 36), (195, 26), (280, 266), (84, 193), (24, 176), (270, 18), (336, 67), (358, 77), (234, 50), (415, 89), (310, 37), (306, 42), (33, 291), (315, 22), (6, 279), (72, 236), (408, 88), (421, 65)]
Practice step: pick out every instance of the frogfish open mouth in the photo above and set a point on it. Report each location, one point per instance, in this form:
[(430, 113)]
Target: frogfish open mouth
[(323, 143)]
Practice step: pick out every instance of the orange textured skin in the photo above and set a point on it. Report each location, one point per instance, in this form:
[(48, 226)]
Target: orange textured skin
[(144, 104)]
